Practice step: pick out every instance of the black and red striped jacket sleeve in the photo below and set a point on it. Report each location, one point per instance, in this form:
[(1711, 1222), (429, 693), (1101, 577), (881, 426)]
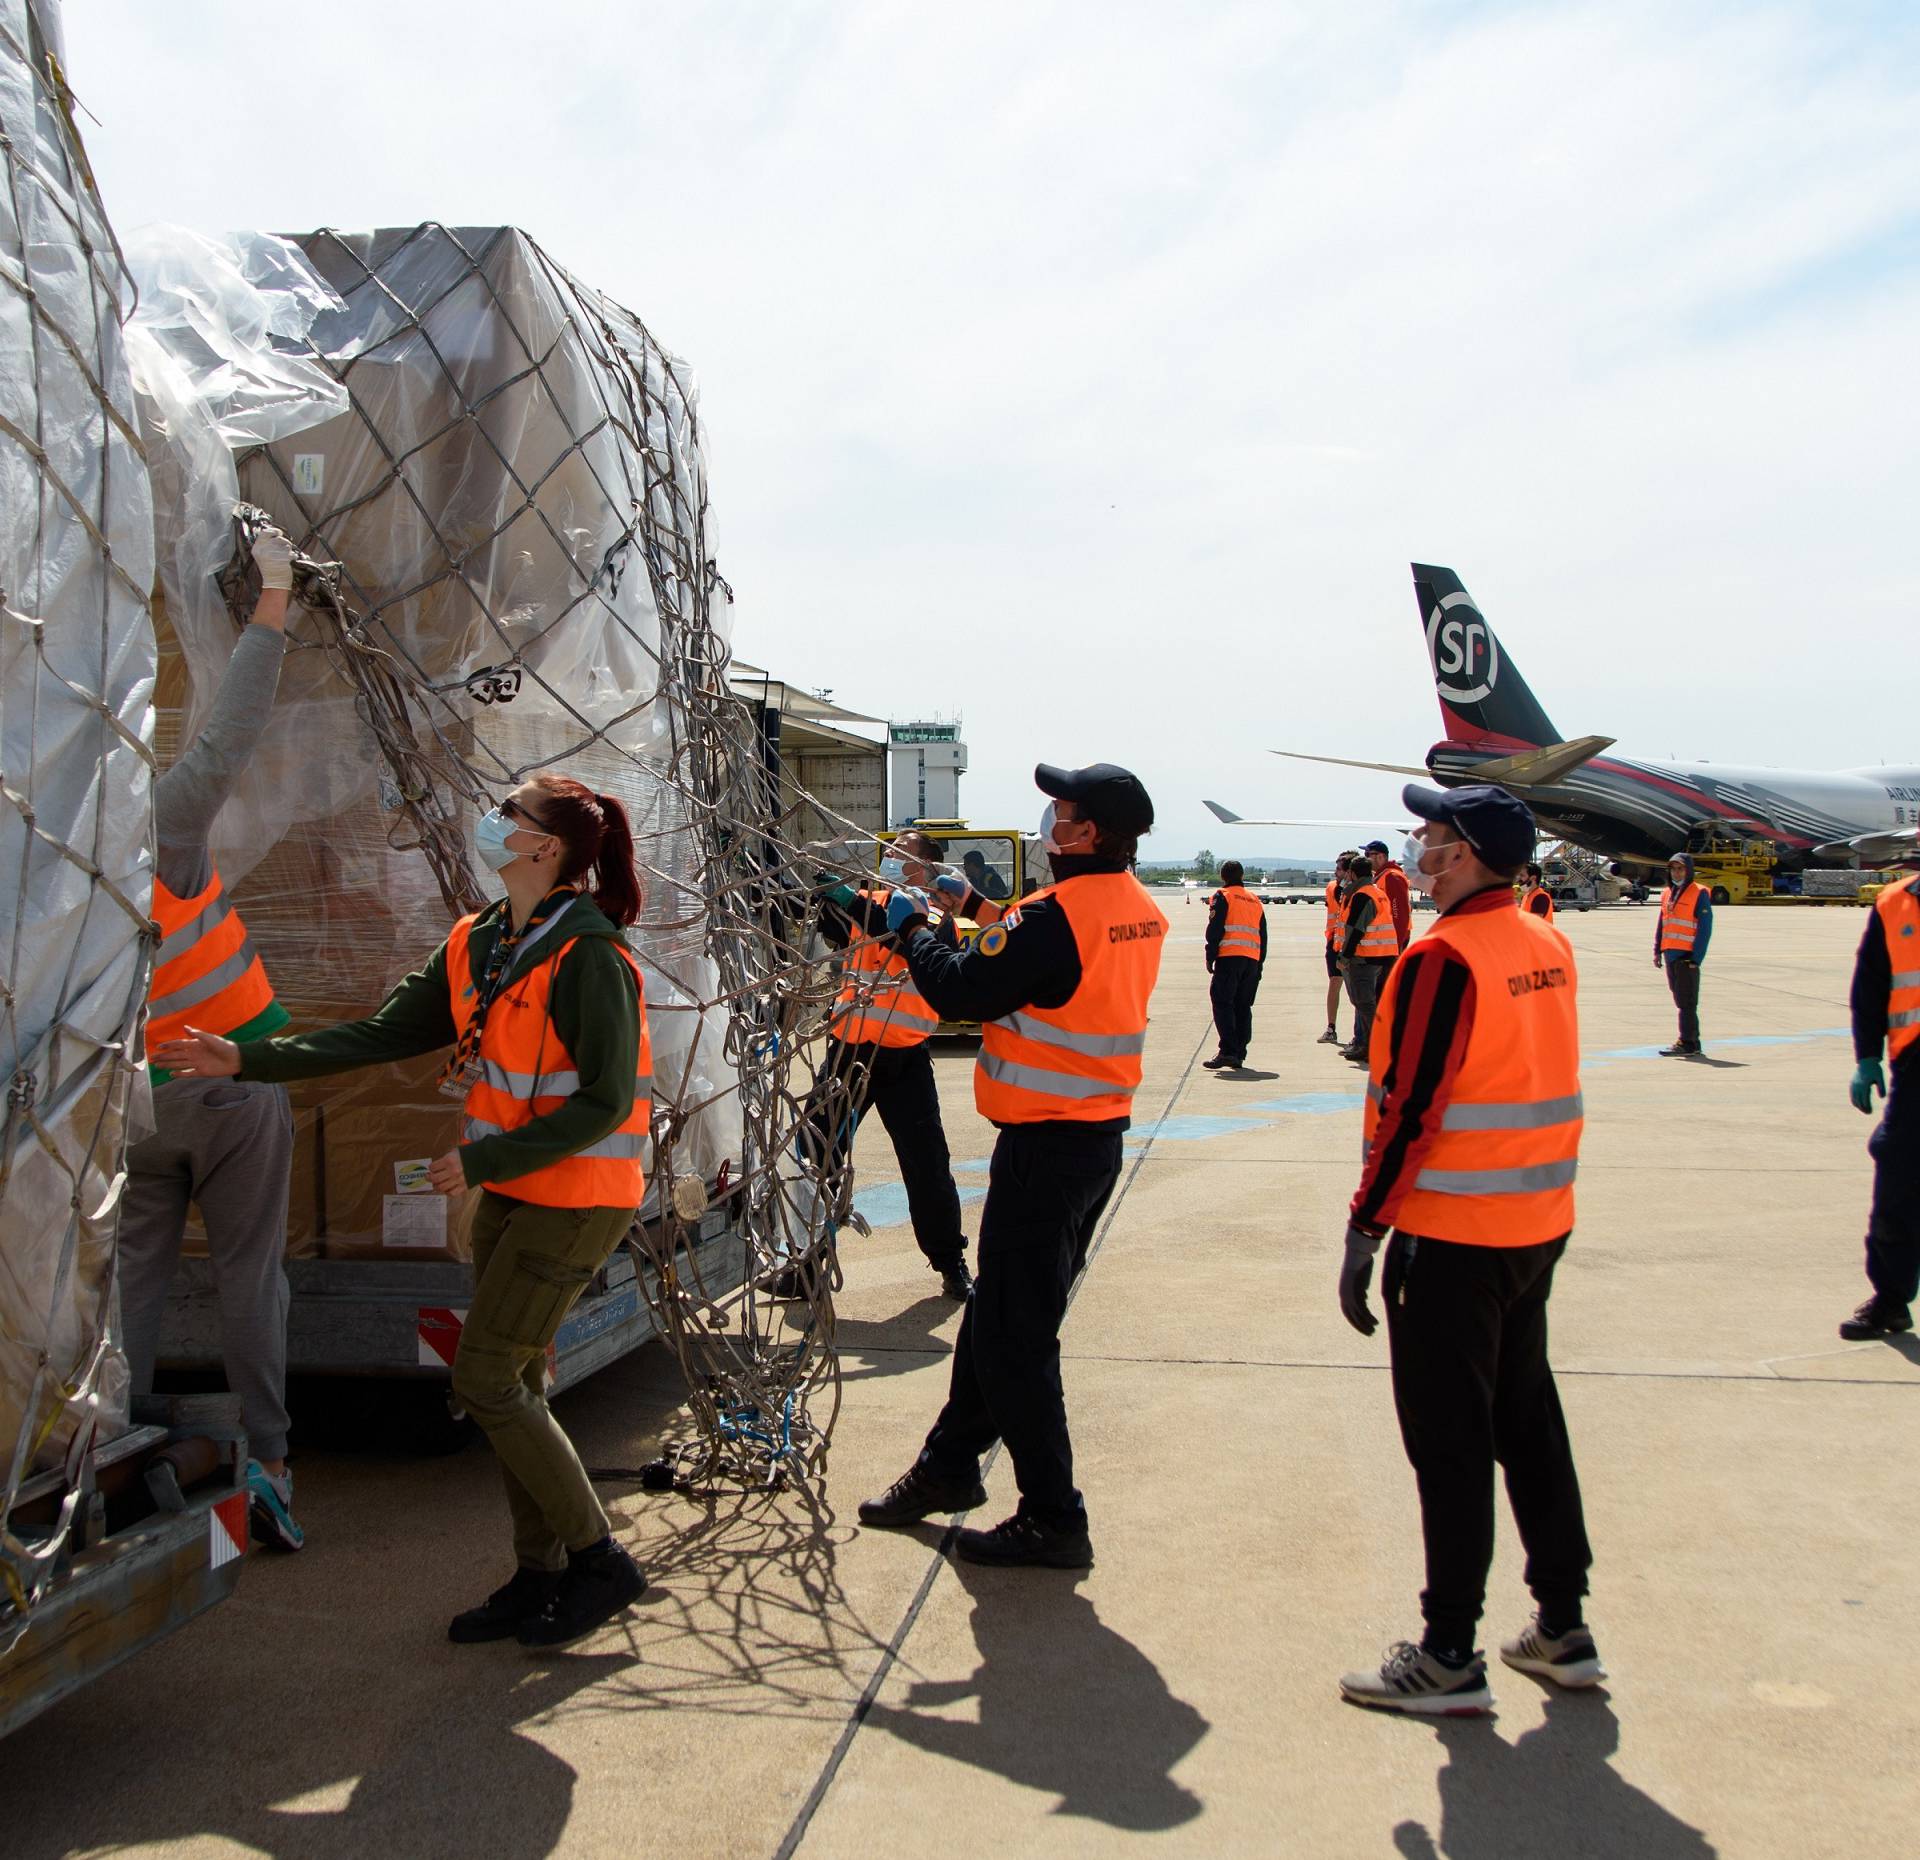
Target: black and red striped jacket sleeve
[(1432, 1016)]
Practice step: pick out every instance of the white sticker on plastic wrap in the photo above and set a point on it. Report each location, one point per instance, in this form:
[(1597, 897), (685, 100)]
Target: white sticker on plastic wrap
[(309, 473), (410, 1177), (413, 1220)]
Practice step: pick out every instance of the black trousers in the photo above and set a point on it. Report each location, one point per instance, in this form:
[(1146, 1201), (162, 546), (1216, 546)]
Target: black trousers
[(1366, 976), (1047, 1188), (901, 1088), (1467, 1330), (1236, 980), (1683, 978), (1893, 1230)]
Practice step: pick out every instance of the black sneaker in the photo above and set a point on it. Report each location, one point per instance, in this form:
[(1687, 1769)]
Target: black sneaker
[(1215, 1063), (956, 1281), (593, 1590), (919, 1494), (500, 1615), (1681, 1049), (1023, 1541), (1876, 1318)]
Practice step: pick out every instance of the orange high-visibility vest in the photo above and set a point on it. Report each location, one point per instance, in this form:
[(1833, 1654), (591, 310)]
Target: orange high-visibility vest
[(1538, 891), (1336, 913), (896, 1013), (205, 972), (526, 1072), (1379, 940), (1899, 913), (1679, 917), (1501, 1169), (1080, 1063), (1240, 936)]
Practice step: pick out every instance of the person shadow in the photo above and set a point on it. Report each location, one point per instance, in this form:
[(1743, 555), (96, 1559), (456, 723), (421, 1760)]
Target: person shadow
[(895, 1345), (1065, 1705), (1242, 1075), (1551, 1791)]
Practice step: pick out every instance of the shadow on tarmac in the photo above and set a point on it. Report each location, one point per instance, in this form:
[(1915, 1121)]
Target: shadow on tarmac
[(1244, 1075), (1550, 1791), (895, 1345), (1064, 1704)]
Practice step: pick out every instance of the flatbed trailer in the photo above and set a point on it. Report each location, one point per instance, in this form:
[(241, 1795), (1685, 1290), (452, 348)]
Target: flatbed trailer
[(401, 1319), (121, 1586)]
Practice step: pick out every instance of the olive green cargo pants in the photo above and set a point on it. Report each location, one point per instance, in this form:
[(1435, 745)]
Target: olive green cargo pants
[(529, 1266)]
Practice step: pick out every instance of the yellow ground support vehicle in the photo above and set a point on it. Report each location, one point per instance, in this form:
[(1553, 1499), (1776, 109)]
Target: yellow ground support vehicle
[(1735, 871), (1000, 863)]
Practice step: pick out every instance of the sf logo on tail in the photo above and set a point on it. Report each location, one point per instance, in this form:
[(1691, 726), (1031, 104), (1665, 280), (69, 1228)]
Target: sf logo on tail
[(1466, 658)]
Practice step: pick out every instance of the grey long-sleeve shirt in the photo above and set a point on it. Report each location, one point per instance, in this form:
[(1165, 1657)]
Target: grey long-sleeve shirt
[(188, 797)]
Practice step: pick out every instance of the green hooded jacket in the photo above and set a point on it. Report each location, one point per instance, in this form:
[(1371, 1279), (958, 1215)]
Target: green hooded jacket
[(594, 1005)]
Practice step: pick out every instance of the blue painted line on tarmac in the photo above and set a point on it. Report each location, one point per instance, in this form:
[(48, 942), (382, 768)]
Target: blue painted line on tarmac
[(1607, 1055), (884, 1204), (1309, 1103)]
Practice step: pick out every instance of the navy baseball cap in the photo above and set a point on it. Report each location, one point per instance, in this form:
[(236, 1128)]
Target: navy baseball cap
[(1109, 796), (1379, 846), (1497, 825)]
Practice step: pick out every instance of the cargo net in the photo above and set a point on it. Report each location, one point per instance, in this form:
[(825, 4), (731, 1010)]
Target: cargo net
[(733, 856), (76, 665)]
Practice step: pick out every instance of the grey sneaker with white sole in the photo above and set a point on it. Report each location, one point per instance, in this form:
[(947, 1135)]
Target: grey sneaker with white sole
[(1411, 1679), (1568, 1659)]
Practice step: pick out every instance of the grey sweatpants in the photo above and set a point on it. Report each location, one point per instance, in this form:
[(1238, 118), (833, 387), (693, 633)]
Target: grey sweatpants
[(227, 1146)]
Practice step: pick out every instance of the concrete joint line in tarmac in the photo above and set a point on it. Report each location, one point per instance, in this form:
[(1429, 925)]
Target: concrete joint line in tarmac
[(891, 1653)]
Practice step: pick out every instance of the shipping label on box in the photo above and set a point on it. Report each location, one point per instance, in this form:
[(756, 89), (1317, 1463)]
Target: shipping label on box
[(413, 1220)]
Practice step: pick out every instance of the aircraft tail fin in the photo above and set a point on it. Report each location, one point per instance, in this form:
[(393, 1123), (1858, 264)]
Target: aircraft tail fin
[(1483, 698)]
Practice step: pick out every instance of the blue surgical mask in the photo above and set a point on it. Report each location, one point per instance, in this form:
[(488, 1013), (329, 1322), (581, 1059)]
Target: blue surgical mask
[(893, 871), (490, 841)]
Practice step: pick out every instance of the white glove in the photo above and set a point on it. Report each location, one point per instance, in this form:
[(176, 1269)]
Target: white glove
[(273, 557)]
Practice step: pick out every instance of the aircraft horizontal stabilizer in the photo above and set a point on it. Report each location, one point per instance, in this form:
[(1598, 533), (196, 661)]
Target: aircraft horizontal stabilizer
[(1346, 762), (1540, 768), (1872, 849), (1221, 813)]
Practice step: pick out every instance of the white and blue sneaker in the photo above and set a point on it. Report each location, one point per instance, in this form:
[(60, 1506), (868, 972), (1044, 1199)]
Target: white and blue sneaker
[(270, 1508)]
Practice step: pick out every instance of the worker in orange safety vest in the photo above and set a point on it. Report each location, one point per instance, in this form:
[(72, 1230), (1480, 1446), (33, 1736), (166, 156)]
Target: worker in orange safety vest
[(1338, 888), (1236, 946), (1680, 937)]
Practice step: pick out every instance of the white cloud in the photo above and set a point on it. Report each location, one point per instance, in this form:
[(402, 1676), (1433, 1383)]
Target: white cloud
[(1097, 369)]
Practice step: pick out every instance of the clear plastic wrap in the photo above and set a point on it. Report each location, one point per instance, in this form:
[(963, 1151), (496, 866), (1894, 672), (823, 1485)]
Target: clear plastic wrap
[(483, 493), (76, 688)]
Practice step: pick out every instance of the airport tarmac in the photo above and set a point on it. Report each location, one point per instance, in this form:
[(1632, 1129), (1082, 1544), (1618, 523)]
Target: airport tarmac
[(796, 1685)]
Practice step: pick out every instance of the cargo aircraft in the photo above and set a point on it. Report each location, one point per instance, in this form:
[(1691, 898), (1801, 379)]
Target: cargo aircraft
[(1635, 811)]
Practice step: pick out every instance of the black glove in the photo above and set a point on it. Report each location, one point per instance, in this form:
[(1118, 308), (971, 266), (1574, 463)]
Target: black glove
[(1356, 1274)]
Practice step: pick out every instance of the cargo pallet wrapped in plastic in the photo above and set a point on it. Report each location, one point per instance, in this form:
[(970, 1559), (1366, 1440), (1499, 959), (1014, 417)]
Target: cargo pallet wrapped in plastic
[(515, 573), (76, 684)]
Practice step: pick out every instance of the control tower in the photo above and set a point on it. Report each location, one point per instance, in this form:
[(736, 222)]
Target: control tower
[(925, 761)]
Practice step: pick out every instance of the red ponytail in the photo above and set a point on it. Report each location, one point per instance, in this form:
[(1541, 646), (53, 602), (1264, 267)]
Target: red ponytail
[(598, 838)]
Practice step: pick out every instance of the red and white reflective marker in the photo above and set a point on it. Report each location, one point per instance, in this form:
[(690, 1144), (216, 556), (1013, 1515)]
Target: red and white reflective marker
[(227, 1531), (439, 1329)]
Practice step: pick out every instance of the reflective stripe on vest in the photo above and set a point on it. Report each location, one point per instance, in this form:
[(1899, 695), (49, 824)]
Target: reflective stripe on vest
[(526, 1072), (205, 971), (1379, 939), (1079, 1063), (879, 1003), (1500, 1168), (1679, 920), (1241, 934), (1899, 912), (1336, 912)]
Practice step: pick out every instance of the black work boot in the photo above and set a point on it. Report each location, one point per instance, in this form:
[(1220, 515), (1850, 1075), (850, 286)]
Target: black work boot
[(955, 1280), (1025, 1541), (790, 1284), (1216, 1062), (598, 1584), (1681, 1049), (500, 1615), (1876, 1318), (919, 1494)]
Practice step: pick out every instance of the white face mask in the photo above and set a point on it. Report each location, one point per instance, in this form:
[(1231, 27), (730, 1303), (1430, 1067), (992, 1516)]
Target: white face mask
[(1049, 819), (1414, 851), (893, 871)]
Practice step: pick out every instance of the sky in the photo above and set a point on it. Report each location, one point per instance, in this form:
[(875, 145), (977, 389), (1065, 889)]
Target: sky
[(1094, 371)]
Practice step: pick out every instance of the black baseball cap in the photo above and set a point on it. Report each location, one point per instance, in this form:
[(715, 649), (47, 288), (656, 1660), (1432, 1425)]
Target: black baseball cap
[(1497, 825), (1379, 846), (1108, 795)]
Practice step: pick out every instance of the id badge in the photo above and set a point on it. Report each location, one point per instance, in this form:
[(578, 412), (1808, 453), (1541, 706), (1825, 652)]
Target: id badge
[(461, 1078)]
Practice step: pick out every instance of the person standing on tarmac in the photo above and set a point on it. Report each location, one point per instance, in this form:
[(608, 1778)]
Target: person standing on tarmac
[(1236, 943), (1369, 945), (1391, 879), (1680, 940), (1060, 987), (1537, 900), (1473, 1128), (541, 1000), (885, 1034), (223, 1144), (1886, 1008), (1338, 887)]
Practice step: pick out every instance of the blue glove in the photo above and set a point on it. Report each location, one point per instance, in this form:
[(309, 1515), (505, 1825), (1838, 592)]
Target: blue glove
[(948, 885), (903, 907), (1866, 1076)]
